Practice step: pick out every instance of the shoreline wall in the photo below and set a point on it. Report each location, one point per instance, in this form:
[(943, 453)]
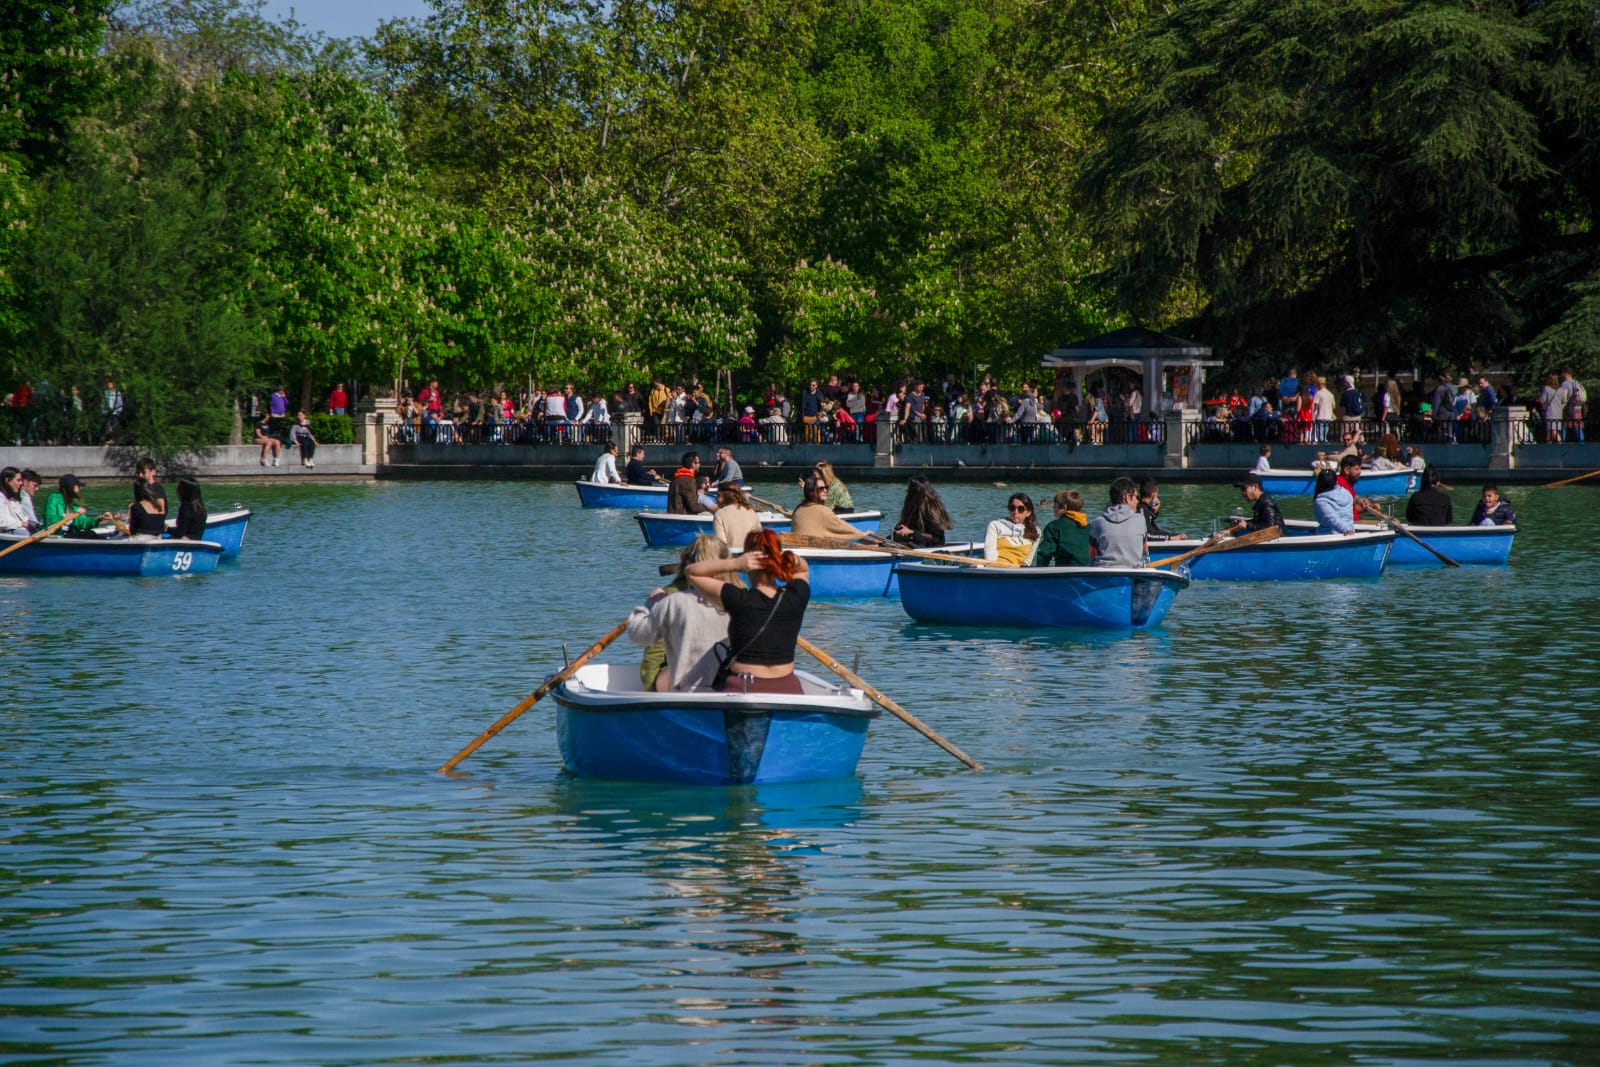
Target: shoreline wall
[(1529, 463)]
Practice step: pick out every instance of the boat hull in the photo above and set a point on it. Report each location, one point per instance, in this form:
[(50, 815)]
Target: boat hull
[(1293, 558), (844, 573), (226, 529), (1105, 597), (608, 730), (121, 557), (1371, 483), (632, 497), (1481, 546), (662, 530)]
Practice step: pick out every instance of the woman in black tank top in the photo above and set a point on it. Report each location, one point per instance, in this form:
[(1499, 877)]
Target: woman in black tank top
[(764, 620)]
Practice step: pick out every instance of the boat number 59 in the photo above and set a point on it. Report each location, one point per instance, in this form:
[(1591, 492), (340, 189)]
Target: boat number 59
[(182, 560)]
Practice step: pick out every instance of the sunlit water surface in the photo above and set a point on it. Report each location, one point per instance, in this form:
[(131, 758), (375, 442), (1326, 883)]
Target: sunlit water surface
[(1349, 822)]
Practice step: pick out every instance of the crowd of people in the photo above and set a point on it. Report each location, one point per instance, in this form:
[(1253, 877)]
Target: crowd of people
[(834, 410), (1313, 409), (65, 513), (1308, 409)]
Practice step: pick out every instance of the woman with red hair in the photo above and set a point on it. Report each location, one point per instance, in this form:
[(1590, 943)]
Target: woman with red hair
[(763, 620)]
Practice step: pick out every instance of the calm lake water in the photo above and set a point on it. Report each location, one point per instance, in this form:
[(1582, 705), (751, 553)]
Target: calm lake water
[(1350, 822)]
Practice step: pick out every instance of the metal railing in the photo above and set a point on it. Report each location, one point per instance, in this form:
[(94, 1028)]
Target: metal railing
[(1070, 432), (515, 432), (1414, 429)]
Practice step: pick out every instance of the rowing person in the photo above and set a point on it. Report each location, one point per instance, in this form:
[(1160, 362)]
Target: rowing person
[(1264, 512), (814, 518), (70, 499), (1430, 505), (636, 473), (923, 517), (763, 620)]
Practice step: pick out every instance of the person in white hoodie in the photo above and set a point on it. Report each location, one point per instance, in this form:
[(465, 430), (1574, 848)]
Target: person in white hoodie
[(1117, 535)]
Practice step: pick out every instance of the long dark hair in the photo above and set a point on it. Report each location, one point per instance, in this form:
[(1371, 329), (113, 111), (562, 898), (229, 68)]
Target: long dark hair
[(5, 483), (1030, 526), (1326, 480), (189, 493), (923, 511)]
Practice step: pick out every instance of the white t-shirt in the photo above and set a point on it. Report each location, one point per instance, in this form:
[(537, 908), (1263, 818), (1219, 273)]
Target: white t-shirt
[(605, 470)]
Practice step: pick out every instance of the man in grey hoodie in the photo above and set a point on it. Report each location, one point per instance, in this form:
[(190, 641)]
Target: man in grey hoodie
[(1117, 535)]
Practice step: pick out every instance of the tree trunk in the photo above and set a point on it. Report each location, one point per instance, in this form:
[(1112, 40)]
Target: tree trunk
[(305, 392)]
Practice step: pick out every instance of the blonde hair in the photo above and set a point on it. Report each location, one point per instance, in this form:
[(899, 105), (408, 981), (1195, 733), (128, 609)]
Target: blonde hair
[(704, 546), (824, 468)]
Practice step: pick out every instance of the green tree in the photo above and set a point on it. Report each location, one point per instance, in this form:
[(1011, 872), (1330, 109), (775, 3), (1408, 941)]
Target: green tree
[(49, 51), (131, 269), (1381, 182)]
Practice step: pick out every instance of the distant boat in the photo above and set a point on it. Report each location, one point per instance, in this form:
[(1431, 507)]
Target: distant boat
[(1113, 597), (632, 497), (1291, 558), (864, 572), (608, 727), (1484, 546), (662, 530), (146, 557), (226, 528), (1290, 482)]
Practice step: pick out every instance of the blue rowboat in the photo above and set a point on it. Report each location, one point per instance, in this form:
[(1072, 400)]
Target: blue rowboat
[(662, 530), (1114, 597), (1482, 546), (632, 497), (838, 573), (1292, 558), (146, 557), (226, 529), (609, 728), (1372, 483)]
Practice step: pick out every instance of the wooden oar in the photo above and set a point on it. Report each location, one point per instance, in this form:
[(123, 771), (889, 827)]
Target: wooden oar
[(1398, 525), (1569, 481), (769, 505), (40, 535), (794, 540), (1221, 543), (884, 702), (537, 695)]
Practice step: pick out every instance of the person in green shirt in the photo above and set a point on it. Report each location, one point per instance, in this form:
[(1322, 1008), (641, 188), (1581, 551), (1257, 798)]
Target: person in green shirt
[(70, 498), (1065, 540)]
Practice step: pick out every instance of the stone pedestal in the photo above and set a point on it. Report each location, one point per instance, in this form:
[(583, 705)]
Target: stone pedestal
[(883, 448), (629, 429), (374, 417), (1504, 423), (1179, 426)]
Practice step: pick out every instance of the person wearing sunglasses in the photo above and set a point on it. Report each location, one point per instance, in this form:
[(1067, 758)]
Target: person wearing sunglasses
[(814, 518), (1013, 540)]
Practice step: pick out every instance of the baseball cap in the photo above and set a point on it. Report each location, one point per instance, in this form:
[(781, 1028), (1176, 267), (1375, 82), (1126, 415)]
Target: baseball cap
[(67, 481)]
